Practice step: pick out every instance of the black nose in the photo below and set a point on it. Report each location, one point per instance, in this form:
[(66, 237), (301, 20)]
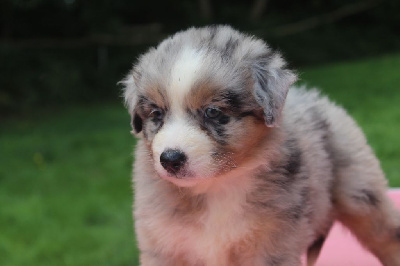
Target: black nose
[(172, 160)]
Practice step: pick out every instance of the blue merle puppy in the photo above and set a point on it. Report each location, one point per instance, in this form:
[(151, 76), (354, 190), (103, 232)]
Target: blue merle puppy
[(233, 168)]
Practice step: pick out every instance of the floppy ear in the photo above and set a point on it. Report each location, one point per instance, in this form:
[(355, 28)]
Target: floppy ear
[(131, 100), (271, 84)]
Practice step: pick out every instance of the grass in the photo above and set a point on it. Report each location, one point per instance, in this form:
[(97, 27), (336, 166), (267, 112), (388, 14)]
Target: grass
[(65, 188)]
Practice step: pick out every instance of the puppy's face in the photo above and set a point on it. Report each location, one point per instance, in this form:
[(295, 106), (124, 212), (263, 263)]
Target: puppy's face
[(202, 99)]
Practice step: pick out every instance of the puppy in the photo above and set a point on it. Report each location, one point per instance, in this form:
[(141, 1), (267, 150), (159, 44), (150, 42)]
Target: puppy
[(232, 168)]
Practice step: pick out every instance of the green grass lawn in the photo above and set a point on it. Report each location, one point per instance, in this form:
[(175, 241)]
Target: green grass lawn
[(65, 188)]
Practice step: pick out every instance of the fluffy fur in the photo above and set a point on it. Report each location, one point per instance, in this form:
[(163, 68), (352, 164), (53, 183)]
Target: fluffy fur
[(232, 169)]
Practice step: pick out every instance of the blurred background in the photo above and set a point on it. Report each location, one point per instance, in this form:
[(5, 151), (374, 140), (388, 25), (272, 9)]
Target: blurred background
[(65, 147)]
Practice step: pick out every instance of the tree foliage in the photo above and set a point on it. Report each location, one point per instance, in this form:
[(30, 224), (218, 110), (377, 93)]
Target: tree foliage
[(56, 51)]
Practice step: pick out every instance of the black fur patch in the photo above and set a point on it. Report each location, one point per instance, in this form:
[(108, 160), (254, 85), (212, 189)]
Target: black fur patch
[(300, 208), (276, 260), (250, 113), (398, 234), (257, 114), (149, 125), (142, 100), (289, 169), (372, 199), (232, 105), (215, 130), (213, 31), (214, 127), (323, 126), (224, 119), (320, 123), (233, 100), (219, 132), (368, 197), (137, 123), (318, 243), (294, 163), (314, 250), (295, 212), (229, 48)]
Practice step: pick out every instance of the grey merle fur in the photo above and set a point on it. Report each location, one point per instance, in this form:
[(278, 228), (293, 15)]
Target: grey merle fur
[(278, 166)]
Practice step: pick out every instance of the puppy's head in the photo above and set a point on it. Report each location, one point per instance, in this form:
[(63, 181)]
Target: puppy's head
[(203, 99)]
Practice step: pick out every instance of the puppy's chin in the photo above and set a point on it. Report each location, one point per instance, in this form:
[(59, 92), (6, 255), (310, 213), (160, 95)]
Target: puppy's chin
[(183, 179)]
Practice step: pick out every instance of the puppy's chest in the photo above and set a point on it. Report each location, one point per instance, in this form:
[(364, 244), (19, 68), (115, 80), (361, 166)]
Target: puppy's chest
[(212, 235)]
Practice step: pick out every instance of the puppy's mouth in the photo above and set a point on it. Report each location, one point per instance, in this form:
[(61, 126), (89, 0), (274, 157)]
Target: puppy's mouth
[(177, 173), (183, 178)]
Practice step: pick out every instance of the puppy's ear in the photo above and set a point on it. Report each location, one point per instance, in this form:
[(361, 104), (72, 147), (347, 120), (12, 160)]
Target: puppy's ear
[(131, 100), (271, 84)]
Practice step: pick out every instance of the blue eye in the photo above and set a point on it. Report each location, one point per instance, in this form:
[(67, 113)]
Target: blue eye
[(212, 112)]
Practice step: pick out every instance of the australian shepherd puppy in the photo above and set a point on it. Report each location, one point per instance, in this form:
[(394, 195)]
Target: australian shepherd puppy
[(234, 168)]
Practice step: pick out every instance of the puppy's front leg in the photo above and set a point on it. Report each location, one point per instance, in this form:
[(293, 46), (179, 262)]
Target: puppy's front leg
[(280, 251)]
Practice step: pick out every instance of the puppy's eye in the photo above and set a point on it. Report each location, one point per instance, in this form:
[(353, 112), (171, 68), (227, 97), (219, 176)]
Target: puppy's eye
[(212, 112), (156, 114)]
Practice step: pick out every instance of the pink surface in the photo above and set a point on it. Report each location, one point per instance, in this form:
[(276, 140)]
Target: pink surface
[(341, 248)]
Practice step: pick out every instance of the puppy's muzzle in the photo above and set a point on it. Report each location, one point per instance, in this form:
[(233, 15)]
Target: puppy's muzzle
[(173, 160)]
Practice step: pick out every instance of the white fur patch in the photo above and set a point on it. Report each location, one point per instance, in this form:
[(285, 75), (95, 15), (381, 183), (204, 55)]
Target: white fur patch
[(224, 222), (179, 134), (129, 93), (183, 75)]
